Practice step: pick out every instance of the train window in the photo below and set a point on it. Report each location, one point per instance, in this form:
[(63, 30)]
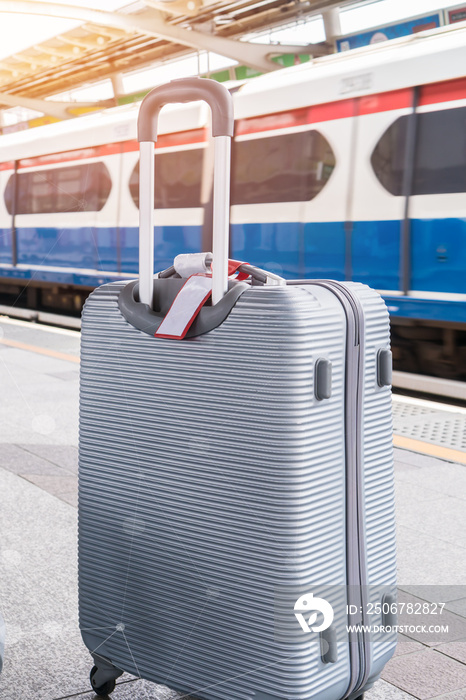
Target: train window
[(440, 153), (83, 187), (287, 168), (178, 177), (440, 163), (388, 156)]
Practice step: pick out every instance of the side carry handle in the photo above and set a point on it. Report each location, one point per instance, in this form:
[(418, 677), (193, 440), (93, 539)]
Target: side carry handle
[(221, 105)]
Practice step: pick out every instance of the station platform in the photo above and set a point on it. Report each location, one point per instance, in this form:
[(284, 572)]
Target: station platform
[(45, 657)]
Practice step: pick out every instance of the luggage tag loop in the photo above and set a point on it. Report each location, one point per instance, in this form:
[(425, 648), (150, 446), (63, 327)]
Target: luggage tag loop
[(197, 269), (194, 293), (188, 264), (185, 307)]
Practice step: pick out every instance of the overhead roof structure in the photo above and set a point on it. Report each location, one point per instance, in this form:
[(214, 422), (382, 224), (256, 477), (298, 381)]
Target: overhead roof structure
[(108, 44)]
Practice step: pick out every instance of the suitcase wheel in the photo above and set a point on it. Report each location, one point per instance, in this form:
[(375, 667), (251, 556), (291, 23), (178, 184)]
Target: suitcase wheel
[(104, 689)]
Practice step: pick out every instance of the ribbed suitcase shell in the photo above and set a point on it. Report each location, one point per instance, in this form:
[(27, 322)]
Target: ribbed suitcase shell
[(2, 641), (210, 475)]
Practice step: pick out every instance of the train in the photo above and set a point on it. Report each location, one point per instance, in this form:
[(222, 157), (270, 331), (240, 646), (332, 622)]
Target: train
[(351, 166)]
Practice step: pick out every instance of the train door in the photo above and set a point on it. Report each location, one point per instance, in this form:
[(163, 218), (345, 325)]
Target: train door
[(420, 160), (329, 140), (105, 224), (270, 181), (179, 211), (128, 215), (378, 205), (437, 206), (178, 207)]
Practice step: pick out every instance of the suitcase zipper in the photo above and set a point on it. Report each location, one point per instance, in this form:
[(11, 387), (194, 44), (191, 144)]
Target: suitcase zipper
[(360, 662), (357, 573)]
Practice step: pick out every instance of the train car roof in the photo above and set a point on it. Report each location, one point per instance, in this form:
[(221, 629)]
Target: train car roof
[(392, 65)]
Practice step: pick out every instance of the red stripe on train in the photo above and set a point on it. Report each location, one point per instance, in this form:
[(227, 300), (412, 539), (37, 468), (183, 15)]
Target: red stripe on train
[(7, 165), (443, 92), (182, 138), (434, 93), (298, 117), (385, 101), (370, 104)]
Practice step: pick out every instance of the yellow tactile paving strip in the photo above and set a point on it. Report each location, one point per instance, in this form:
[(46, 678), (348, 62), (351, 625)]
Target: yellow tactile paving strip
[(427, 448), (39, 350)]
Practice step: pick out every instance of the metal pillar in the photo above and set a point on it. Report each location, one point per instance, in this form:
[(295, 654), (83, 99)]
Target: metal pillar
[(332, 24), (117, 85)]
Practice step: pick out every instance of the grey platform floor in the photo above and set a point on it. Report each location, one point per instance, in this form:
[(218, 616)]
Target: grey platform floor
[(45, 658)]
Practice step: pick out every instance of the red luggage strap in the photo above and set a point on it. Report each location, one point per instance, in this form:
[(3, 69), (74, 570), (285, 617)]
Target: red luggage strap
[(233, 266), (192, 296)]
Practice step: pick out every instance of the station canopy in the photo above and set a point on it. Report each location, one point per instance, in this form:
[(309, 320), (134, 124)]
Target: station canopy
[(142, 34)]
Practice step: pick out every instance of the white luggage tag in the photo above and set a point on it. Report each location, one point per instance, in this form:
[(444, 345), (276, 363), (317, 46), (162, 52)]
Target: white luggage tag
[(185, 307), (188, 264), (192, 296)]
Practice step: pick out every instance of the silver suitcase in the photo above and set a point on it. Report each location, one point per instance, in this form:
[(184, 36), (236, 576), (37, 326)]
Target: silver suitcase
[(236, 513)]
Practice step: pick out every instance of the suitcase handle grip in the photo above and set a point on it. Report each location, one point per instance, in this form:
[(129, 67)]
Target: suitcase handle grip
[(221, 105), (187, 90)]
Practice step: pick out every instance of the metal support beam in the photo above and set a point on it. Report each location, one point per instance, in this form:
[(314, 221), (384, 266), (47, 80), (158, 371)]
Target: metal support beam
[(63, 54), (111, 33), (60, 110), (153, 23), (33, 61), (15, 68), (85, 44), (184, 8), (117, 84), (332, 24)]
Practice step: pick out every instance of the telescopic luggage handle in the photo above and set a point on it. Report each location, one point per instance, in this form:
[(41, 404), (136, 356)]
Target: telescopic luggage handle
[(221, 105)]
